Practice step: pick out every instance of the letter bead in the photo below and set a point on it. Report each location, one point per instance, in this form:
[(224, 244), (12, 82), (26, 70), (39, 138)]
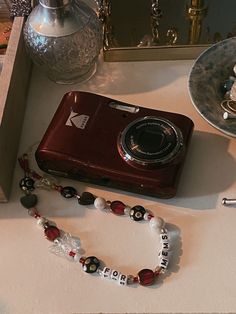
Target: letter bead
[(123, 280), (163, 254), (115, 275), (164, 237), (164, 262), (165, 246), (106, 273)]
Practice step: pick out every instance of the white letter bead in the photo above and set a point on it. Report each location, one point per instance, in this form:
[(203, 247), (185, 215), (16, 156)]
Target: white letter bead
[(115, 275), (123, 280), (164, 262), (106, 272), (100, 203), (156, 223), (165, 246), (164, 237), (163, 254)]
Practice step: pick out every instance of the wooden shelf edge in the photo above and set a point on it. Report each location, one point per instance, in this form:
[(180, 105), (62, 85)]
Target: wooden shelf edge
[(14, 80)]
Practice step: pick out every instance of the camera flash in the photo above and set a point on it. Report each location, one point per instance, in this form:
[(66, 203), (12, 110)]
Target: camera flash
[(118, 106)]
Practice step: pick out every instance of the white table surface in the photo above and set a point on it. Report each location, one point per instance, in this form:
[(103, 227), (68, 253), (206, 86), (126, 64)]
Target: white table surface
[(201, 277)]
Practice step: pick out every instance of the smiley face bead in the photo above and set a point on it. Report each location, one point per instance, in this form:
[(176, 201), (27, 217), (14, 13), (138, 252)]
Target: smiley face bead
[(137, 213), (91, 264), (27, 184), (68, 192)]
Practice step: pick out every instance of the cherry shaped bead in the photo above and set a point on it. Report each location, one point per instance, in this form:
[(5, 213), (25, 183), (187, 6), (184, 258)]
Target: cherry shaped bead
[(91, 264), (86, 198), (137, 213), (68, 192), (118, 207), (51, 232), (27, 184), (146, 277)]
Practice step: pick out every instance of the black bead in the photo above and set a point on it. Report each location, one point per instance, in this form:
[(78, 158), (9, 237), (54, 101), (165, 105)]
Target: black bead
[(86, 198), (91, 264), (29, 201), (27, 184), (137, 213), (68, 192)]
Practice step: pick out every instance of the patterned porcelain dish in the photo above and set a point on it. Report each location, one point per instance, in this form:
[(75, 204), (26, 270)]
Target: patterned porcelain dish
[(211, 69)]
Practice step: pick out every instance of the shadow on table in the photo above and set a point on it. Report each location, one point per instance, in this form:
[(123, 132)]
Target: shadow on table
[(129, 78), (209, 169)]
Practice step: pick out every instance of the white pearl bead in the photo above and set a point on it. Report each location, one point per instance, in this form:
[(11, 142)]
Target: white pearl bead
[(100, 203), (156, 223)]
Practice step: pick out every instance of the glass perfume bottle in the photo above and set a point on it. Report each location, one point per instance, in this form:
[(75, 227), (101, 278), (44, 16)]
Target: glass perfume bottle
[(64, 38)]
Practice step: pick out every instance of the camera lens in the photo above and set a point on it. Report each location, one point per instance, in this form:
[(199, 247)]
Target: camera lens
[(150, 141)]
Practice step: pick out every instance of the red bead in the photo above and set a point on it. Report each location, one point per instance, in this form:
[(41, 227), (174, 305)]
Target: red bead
[(157, 272), (118, 207), (135, 279), (33, 212), (51, 233), (58, 188), (82, 260), (71, 253), (37, 215), (146, 277)]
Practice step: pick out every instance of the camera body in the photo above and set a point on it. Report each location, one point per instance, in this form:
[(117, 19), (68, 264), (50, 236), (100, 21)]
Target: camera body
[(100, 140)]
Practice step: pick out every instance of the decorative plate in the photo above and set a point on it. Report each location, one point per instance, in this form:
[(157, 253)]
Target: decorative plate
[(209, 72)]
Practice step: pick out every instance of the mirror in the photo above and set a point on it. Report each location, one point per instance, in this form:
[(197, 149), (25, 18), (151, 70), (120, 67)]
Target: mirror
[(164, 29)]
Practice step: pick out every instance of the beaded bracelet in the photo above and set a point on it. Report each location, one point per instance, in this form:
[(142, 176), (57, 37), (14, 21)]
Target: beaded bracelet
[(68, 246)]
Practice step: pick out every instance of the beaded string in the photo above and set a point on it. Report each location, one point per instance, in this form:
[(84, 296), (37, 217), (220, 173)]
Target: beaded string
[(64, 244)]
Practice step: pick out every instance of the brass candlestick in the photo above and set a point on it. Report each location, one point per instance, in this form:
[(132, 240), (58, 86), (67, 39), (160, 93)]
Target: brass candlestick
[(196, 11)]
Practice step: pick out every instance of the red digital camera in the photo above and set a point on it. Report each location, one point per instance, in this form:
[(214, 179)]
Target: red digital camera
[(100, 140)]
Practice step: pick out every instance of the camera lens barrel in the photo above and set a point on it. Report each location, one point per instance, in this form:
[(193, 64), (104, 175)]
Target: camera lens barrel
[(150, 142)]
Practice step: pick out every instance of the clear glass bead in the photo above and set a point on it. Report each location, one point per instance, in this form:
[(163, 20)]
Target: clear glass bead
[(65, 244), (41, 222)]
